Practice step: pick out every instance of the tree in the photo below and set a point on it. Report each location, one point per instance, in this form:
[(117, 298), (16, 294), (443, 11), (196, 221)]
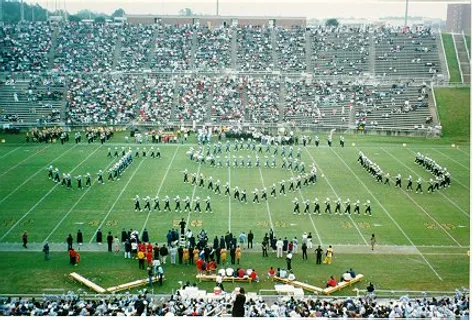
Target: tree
[(100, 19), (332, 22), (74, 18), (185, 12), (118, 13)]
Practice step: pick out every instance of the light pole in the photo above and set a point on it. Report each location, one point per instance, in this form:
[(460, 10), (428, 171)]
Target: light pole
[(406, 13), (217, 7)]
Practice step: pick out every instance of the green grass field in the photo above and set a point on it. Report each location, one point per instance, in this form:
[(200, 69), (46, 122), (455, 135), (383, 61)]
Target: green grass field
[(451, 58), (422, 238), (454, 112)]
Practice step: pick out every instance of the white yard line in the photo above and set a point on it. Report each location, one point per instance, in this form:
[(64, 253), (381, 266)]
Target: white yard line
[(229, 199), (389, 215), (267, 201), (160, 186), (449, 199), (39, 171), (19, 163), (75, 204), (446, 156), (464, 152), (6, 154), (420, 207), (309, 216), (44, 197), (193, 193), (350, 218), (116, 201)]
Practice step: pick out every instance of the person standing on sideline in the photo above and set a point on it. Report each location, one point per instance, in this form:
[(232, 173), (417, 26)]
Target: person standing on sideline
[(304, 251), (46, 251), (69, 240), (150, 274), (319, 254), (141, 257), (329, 255), (116, 245), (109, 241), (238, 305), (250, 239), (80, 238), (99, 237), (279, 245), (288, 259), (373, 241), (24, 237), (127, 249)]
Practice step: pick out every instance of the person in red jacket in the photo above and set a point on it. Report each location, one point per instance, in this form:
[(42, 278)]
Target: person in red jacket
[(199, 264), (241, 273), (149, 247), (254, 276), (149, 258), (331, 282), (72, 256)]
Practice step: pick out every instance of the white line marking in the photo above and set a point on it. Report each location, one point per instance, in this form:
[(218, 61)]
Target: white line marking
[(420, 207), (445, 155), (39, 171), (309, 216), (229, 199), (464, 152), (44, 197), (350, 218), (75, 204), (194, 189), (19, 163), (388, 214), (160, 186), (116, 201), (6, 154), (267, 201)]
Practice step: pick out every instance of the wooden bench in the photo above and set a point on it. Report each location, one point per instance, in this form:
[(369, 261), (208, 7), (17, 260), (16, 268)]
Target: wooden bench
[(343, 284), (298, 284), (133, 284), (87, 283), (212, 277)]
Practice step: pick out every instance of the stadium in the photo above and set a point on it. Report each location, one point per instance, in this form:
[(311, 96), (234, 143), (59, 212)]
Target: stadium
[(205, 162)]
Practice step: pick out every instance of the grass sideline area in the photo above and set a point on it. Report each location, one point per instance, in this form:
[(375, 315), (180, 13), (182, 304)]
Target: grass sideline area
[(106, 269), (422, 223), (454, 112), (451, 58)]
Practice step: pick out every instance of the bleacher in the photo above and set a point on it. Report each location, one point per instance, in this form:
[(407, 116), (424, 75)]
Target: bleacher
[(406, 54), (32, 106)]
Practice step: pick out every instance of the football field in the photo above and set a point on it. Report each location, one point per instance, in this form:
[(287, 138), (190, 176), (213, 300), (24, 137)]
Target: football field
[(433, 229)]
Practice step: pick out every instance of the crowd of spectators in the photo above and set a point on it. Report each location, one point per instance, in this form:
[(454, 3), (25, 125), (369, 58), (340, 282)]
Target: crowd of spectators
[(213, 51), (102, 99), (263, 97), (254, 49), (86, 47), (157, 96), (194, 99), (173, 48), (227, 102), (136, 45), (103, 47), (24, 47), (291, 48), (143, 303), (339, 50)]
